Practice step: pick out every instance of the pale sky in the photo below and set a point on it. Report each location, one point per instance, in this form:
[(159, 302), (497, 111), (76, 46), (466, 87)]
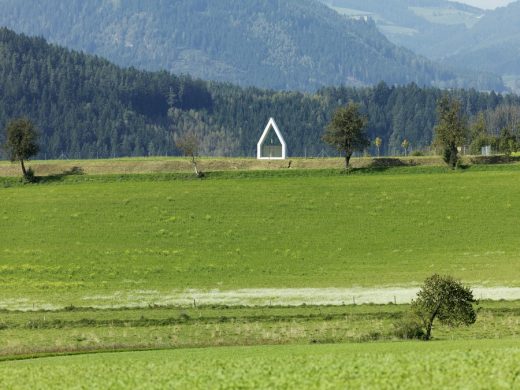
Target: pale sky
[(486, 4)]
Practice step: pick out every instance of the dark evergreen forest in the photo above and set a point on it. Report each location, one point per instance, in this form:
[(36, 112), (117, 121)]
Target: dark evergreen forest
[(281, 44), (86, 107)]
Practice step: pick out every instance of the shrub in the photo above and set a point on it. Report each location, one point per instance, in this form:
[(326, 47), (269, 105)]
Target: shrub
[(29, 176), (409, 328)]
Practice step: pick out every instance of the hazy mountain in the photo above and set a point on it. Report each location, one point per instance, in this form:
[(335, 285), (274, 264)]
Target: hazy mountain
[(449, 32), (491, 45), (420, 25), (280, 44)]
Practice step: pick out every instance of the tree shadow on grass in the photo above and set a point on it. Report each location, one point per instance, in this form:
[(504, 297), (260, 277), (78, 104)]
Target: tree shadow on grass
[(382, 164), (74, 171)]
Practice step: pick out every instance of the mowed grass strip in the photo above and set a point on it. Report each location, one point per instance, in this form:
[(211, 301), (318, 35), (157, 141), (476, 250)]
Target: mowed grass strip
[(482, 364), (60, 243), (32, 333), (178, 164)]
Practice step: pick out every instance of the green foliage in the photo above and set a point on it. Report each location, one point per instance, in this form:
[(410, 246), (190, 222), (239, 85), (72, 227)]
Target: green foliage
[(450, 132), (507, 142), (409, 327), (21, 143), (482, 140), (346, 131), (444, 298)]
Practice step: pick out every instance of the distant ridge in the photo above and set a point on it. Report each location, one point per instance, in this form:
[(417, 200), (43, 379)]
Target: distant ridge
[(284, 45)]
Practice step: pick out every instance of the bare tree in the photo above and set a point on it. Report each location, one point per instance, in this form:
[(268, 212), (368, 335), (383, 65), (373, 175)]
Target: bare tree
[(188, 143), (405, 145)]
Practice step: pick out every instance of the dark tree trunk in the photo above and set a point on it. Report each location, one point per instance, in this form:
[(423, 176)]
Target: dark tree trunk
[(454, 157), (23, 168), (428, 330), (429, 325), (347, 160)]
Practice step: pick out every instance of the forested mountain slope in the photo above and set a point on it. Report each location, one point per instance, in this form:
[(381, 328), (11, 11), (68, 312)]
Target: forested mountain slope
[(86, 107), (280, 44)]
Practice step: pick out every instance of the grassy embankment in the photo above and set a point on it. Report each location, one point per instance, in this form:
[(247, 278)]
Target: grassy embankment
[(168, 164)]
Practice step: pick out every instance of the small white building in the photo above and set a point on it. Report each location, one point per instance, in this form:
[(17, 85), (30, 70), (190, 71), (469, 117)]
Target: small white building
[(271, 145), (486, 150)]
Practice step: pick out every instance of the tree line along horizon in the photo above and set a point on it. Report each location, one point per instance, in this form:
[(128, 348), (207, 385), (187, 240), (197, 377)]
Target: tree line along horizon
[(346, 132), (86, 107)]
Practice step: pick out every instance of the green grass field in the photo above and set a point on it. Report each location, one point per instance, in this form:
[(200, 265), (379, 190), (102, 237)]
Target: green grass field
[(75, 247), (469, 364), (91, 239)]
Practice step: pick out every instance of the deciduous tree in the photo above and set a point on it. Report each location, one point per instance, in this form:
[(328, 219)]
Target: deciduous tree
[(445, 299), (507, 142), (450, 132), (21, 142), (346, 131)]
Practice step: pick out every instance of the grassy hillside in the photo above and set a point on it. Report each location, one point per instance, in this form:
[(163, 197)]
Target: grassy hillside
[(114, 239), (407, 365)]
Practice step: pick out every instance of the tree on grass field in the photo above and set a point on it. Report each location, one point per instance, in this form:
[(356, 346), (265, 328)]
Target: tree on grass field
[(479, 135), (188, 144), (507, 142), (450, 133), (21, 142), (346, 131), (445, 299)]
